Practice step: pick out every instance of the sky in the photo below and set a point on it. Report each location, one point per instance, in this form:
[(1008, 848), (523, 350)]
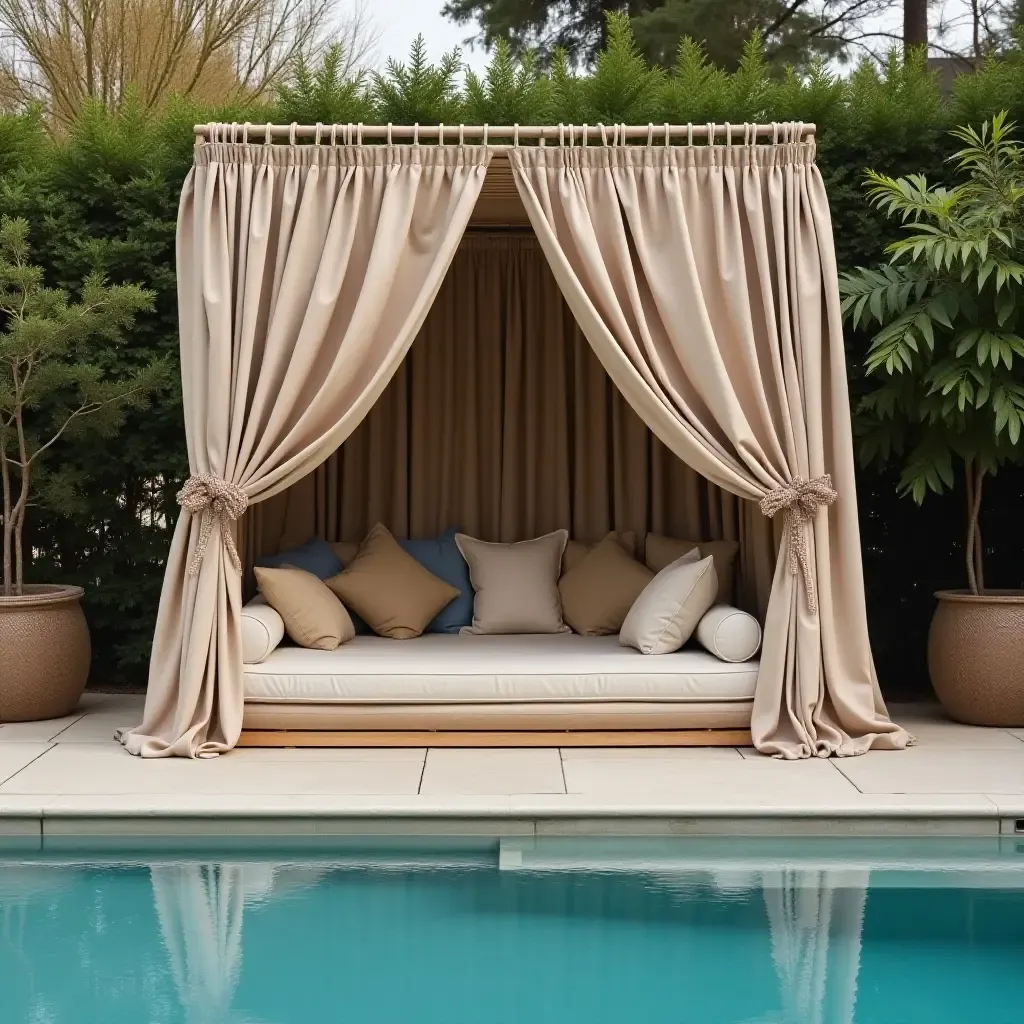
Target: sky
[(400, 21)]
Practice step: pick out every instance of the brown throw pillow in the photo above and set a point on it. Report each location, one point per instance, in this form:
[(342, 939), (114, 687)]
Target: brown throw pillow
[(662, 551), (312, 615), (516, 585), (598, 591), (389, 589), (346, 550), (576, 551)]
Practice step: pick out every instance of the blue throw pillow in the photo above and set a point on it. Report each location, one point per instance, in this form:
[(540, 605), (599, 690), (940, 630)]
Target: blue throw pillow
[(315, 556), (441, 556)]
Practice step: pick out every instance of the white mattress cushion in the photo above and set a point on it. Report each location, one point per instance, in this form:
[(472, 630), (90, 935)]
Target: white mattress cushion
[(262, 630), (729, 633), (466, 668)]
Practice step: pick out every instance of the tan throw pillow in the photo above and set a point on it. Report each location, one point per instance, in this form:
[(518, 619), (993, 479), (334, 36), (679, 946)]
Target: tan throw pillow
[(662, 551), (598, 591), (313, 616), (516, 585), (345, 550), (667, 612), (576, 551), (389, 589)]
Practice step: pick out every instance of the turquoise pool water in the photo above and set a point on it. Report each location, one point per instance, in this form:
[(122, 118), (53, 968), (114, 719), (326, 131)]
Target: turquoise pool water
[(687, 932)]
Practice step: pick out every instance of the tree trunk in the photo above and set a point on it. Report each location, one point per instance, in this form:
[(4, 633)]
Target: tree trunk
[(915, 23), (8, 568), (974, 478)]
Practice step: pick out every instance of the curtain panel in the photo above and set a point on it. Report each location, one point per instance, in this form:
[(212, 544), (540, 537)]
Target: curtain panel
[(304, 273), (704, 277), (502, 422)]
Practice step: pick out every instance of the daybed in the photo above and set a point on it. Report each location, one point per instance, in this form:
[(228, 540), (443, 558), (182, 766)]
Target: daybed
[(450, 685)]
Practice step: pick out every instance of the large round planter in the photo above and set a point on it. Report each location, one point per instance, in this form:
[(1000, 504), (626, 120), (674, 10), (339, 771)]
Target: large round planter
[(976, 656), (44, 653)]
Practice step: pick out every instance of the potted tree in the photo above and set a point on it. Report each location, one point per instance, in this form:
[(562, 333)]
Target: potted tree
[(50, 389), (947, 370)]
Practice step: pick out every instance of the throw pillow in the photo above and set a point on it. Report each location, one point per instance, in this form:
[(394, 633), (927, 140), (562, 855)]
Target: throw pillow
[(516, 584), (345, 550), (262, 630), (389, 589), (729, 634), (313, 616), (576, 551), (662, 551), (667, 612), (598, 591), (441, 556), (315, 556)]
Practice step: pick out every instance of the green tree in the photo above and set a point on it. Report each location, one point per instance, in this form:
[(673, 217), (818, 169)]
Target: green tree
[(948, 360), (49, 387)]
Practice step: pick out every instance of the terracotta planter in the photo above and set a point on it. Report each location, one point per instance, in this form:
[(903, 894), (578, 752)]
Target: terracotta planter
[(44, 653), (976, 656)]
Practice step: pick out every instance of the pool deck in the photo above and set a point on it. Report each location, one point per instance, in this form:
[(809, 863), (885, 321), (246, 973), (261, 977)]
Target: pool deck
[(68, 778)]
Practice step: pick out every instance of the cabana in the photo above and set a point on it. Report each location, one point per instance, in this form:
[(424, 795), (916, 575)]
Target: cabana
[(625, 328)]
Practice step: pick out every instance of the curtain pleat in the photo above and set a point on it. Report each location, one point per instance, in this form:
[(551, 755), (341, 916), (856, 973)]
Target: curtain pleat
[(502, 422)]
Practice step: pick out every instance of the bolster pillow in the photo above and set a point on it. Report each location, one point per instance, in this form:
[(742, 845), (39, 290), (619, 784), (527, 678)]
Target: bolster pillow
[(262, 631), (729, 634)]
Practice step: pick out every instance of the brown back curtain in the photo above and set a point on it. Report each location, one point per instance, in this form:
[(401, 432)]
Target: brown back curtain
[(704, 277), (304, 273), (502, 422)]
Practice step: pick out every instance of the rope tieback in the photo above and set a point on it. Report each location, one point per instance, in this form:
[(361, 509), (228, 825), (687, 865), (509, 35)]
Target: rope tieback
[(800, 501), (215, 500)]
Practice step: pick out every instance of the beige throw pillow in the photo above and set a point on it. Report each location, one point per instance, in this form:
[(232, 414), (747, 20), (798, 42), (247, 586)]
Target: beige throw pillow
[(516, 585), (599, 590), (313, 616), (389, 589), (346, 550), (662, 551), (576, 551), (667, 612)]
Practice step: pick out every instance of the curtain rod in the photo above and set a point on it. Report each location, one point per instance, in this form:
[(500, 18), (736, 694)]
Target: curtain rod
[(346, 133)]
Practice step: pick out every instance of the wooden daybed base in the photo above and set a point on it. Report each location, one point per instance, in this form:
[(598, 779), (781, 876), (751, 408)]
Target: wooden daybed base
[(494, 738)]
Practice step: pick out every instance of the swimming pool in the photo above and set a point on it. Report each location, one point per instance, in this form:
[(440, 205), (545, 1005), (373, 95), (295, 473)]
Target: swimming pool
[(528, 930)]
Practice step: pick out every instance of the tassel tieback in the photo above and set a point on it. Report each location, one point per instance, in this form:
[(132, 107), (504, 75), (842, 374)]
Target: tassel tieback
[(216, 500), (800, 501)]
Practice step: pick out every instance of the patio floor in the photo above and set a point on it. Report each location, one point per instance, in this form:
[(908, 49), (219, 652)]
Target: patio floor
[(68, 777)]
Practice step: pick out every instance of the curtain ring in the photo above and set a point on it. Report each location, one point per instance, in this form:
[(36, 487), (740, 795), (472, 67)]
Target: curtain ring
[(668, 134), (623, 133), (650, 134), (604, 133), (462, 139), (586, 132), (515, 135), (689, 133), (440, 134), (561, 134), (268, 138), (775, 133), (486, 126), (334, 134), (416, 133), (316, 136), (359, 133), (291, 134), (389, 133), (245, 134), (711, 132)]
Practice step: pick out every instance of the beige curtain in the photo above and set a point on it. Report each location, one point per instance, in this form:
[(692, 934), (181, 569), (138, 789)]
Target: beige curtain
[(705, 279), (304, 273), (502, 422)]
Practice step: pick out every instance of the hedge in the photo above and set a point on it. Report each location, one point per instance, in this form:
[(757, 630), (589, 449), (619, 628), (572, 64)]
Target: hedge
[(106, 196)]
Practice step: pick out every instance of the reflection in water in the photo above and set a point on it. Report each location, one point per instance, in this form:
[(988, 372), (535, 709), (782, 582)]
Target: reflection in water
[(815, 920), (558, 935)]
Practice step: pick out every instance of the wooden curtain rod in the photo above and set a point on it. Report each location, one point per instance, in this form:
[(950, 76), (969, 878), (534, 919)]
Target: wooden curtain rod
[(451, 134)]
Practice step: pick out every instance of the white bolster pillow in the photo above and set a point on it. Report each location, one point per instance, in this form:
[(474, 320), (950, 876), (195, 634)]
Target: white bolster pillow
[(729, 634), (262, 630)]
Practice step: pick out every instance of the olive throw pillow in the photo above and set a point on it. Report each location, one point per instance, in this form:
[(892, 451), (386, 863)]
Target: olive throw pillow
[(389, 589), (312, 615), (598, 591)]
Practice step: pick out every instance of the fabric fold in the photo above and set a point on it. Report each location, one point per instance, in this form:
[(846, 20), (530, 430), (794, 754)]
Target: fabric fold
[(704, 277), (304, 273)]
